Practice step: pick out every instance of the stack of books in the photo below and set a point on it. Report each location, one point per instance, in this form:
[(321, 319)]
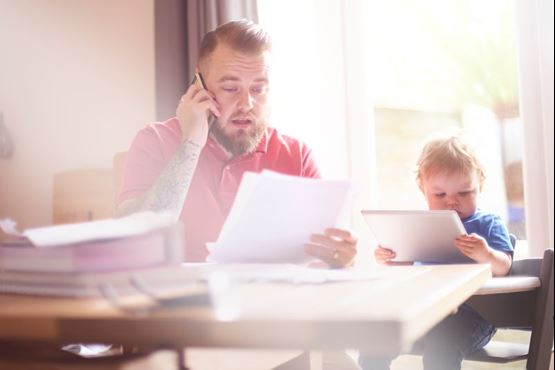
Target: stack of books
[(120, 256)]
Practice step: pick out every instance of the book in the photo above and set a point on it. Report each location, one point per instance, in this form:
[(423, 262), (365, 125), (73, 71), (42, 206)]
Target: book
[(155, 282), (111, 252), (106, 255), (58, 235)]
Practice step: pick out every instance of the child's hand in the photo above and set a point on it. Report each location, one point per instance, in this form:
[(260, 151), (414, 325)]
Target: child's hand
[(383, 255), (474, 246)]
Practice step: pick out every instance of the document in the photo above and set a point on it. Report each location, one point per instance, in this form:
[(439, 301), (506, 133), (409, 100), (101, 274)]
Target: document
[(59, 235), (281, 273), (273, 216), (159, 280), (98, 255), (133, 242)]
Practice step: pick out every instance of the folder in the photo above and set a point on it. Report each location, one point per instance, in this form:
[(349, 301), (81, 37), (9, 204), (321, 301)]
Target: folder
[(90, 256), (165, 280), (154, 248)]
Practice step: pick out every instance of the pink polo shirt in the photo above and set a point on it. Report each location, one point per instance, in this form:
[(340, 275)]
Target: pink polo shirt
[(216, 178)]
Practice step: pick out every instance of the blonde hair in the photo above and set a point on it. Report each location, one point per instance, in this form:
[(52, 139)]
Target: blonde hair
[(242, 35), (450, 155)]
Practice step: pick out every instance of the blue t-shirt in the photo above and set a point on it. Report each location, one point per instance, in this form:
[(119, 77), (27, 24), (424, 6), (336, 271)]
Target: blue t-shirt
[(490, 227)]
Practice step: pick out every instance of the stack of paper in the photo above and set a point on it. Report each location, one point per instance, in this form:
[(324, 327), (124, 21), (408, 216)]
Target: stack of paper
[(73, 259), (273, 216), (92, 284), (281, 273), (135, 224)]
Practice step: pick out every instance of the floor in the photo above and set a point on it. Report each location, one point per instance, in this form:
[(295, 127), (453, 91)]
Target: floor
[(208, 359)]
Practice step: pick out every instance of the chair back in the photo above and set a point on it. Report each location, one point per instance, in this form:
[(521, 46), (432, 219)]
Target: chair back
[(541, 342), (83, 195), (118, 166), (531, 309), (513, 240)]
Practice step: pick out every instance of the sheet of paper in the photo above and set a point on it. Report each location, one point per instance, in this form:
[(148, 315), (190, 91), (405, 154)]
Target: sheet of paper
[(281, 273), (50, 236), (274, 215), (9, 226)]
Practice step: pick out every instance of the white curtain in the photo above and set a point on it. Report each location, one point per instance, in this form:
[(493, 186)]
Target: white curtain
[(535, 39), (320, 90), (205, 15)]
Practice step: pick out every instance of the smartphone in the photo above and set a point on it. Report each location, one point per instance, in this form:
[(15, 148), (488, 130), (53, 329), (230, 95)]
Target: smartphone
[(198, 77)]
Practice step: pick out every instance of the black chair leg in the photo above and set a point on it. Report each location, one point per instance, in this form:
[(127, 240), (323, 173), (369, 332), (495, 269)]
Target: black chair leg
[(181, 363)]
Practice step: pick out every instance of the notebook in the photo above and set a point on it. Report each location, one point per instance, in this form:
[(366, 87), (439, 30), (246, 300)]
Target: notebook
[(161, 280), (423, 236), (105, 255), (108, 245)]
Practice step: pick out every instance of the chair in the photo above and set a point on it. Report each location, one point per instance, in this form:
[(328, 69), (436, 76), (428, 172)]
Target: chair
[(524, 300), (83, 195), (118, 166)]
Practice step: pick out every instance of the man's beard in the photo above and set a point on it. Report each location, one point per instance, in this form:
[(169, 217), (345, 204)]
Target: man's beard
[(241, 141)]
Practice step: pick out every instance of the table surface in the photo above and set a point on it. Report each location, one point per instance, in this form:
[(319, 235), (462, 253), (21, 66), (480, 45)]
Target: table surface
[(380, 315)]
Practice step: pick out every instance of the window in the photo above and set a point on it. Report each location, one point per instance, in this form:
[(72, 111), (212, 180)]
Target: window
[(374, 79)]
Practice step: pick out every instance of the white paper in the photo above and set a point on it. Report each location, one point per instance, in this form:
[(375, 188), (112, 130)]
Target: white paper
[(9, 226), (58, 235), (281, 273), (274, 215)]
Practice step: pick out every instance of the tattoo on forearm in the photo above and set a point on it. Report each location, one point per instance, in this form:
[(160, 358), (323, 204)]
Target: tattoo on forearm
[(169, 191)]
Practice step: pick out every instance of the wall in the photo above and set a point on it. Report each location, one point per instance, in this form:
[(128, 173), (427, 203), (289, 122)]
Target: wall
[(76, 83)]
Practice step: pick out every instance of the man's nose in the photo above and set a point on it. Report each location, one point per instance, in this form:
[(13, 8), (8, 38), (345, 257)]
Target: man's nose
[(246, 101)]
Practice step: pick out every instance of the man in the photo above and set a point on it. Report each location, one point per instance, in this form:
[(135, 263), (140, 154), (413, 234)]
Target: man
[(192, 164)]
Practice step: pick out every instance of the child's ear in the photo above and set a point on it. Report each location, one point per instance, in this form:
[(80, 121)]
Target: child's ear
[(481, 186), (419, 184)]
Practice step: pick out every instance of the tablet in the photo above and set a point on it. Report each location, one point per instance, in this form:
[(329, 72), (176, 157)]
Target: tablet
[(424, 236)]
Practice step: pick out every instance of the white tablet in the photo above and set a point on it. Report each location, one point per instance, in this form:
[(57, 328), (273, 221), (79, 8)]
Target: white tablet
[(424, 236)]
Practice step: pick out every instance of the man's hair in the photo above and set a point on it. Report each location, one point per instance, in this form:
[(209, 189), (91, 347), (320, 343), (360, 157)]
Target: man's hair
[(242, 35), (448, 155)]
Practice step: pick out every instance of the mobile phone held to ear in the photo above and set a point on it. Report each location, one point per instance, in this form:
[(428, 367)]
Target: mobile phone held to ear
[(198, 77)]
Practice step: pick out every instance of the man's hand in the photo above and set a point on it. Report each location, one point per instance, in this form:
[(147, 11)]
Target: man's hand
[(193, 113), (336, 247), (383, 255), (475, 247)]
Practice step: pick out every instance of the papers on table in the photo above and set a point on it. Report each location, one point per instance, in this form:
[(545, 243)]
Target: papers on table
[(280, 273), (274, 215), (52, 236), (76, 259), (160, 278)]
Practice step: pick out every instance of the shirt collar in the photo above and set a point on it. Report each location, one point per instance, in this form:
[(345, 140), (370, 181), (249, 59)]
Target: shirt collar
[(262, 146)]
